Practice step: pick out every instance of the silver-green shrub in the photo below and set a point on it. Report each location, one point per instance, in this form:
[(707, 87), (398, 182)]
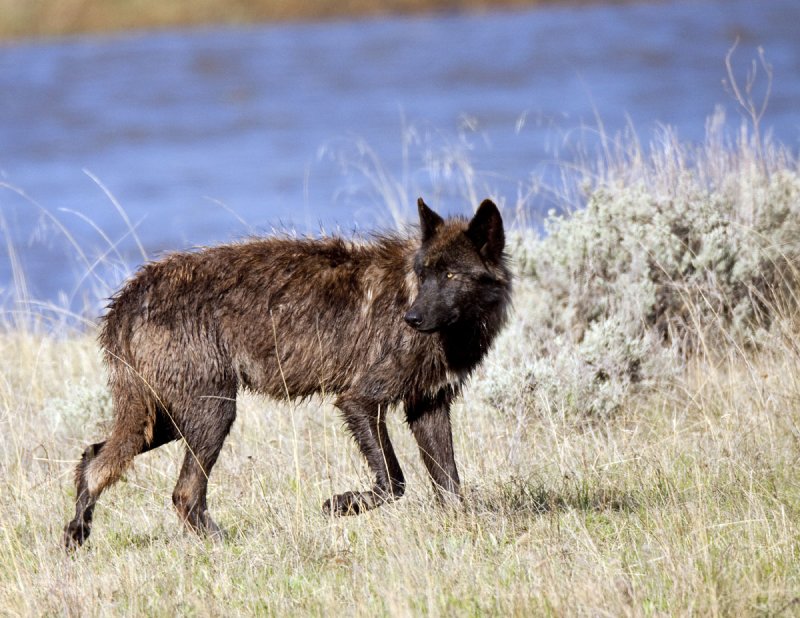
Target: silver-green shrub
[(81, 403), (678, 251)]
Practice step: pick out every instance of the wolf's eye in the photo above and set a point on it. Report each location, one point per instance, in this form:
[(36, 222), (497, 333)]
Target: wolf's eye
[(450, 275)]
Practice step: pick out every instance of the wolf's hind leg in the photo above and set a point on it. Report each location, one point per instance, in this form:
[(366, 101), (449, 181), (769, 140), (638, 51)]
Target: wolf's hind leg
[(104, 462), (210, 425), (77, 530), (368, 426)]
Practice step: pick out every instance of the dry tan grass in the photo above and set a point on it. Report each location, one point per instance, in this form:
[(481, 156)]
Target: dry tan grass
[(42, 17), (685, 502)]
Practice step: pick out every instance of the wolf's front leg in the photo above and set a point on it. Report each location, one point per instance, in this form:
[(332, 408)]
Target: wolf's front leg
[(429, 419), (367, 424)]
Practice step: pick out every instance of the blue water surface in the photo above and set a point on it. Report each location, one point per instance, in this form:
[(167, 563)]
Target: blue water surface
[(208, 135)]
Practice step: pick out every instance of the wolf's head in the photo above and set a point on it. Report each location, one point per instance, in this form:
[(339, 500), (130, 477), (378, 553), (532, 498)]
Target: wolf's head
[(460, 268)]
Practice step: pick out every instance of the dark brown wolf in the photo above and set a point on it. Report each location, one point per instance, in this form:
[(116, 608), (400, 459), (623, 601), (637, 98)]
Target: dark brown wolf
[(396, 320)]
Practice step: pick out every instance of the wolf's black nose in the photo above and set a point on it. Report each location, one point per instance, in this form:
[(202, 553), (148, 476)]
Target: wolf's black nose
[(413, 318)]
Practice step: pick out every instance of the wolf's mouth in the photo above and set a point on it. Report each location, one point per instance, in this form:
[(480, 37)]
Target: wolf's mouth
[(422, 328)]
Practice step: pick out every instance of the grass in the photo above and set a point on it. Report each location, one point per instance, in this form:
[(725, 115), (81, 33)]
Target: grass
[(26, 18), (686, 501)]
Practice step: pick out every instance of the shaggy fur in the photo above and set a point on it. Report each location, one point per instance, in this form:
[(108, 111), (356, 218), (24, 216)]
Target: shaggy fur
[(397, 320)]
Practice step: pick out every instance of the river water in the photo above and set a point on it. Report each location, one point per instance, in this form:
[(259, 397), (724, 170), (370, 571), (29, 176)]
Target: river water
[(209, 135)]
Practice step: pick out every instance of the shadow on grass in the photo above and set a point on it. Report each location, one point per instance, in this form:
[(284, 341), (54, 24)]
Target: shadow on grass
[(521, 496)]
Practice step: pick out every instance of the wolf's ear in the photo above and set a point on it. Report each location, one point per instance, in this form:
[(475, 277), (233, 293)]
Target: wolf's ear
[(429, 221), (486, 231)]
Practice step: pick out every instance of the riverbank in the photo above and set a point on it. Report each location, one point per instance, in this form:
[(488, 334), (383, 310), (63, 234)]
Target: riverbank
[(35, 18)]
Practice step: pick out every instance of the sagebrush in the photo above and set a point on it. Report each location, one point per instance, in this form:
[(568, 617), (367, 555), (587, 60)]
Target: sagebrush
[(678, 252)]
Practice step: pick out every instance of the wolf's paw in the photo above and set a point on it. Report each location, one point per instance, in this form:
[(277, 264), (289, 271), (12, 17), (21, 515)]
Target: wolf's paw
[(75, 533), (211, 530), (351, 503)]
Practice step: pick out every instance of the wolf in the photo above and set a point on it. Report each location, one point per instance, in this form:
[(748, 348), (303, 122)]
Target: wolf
[(400, 320)]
